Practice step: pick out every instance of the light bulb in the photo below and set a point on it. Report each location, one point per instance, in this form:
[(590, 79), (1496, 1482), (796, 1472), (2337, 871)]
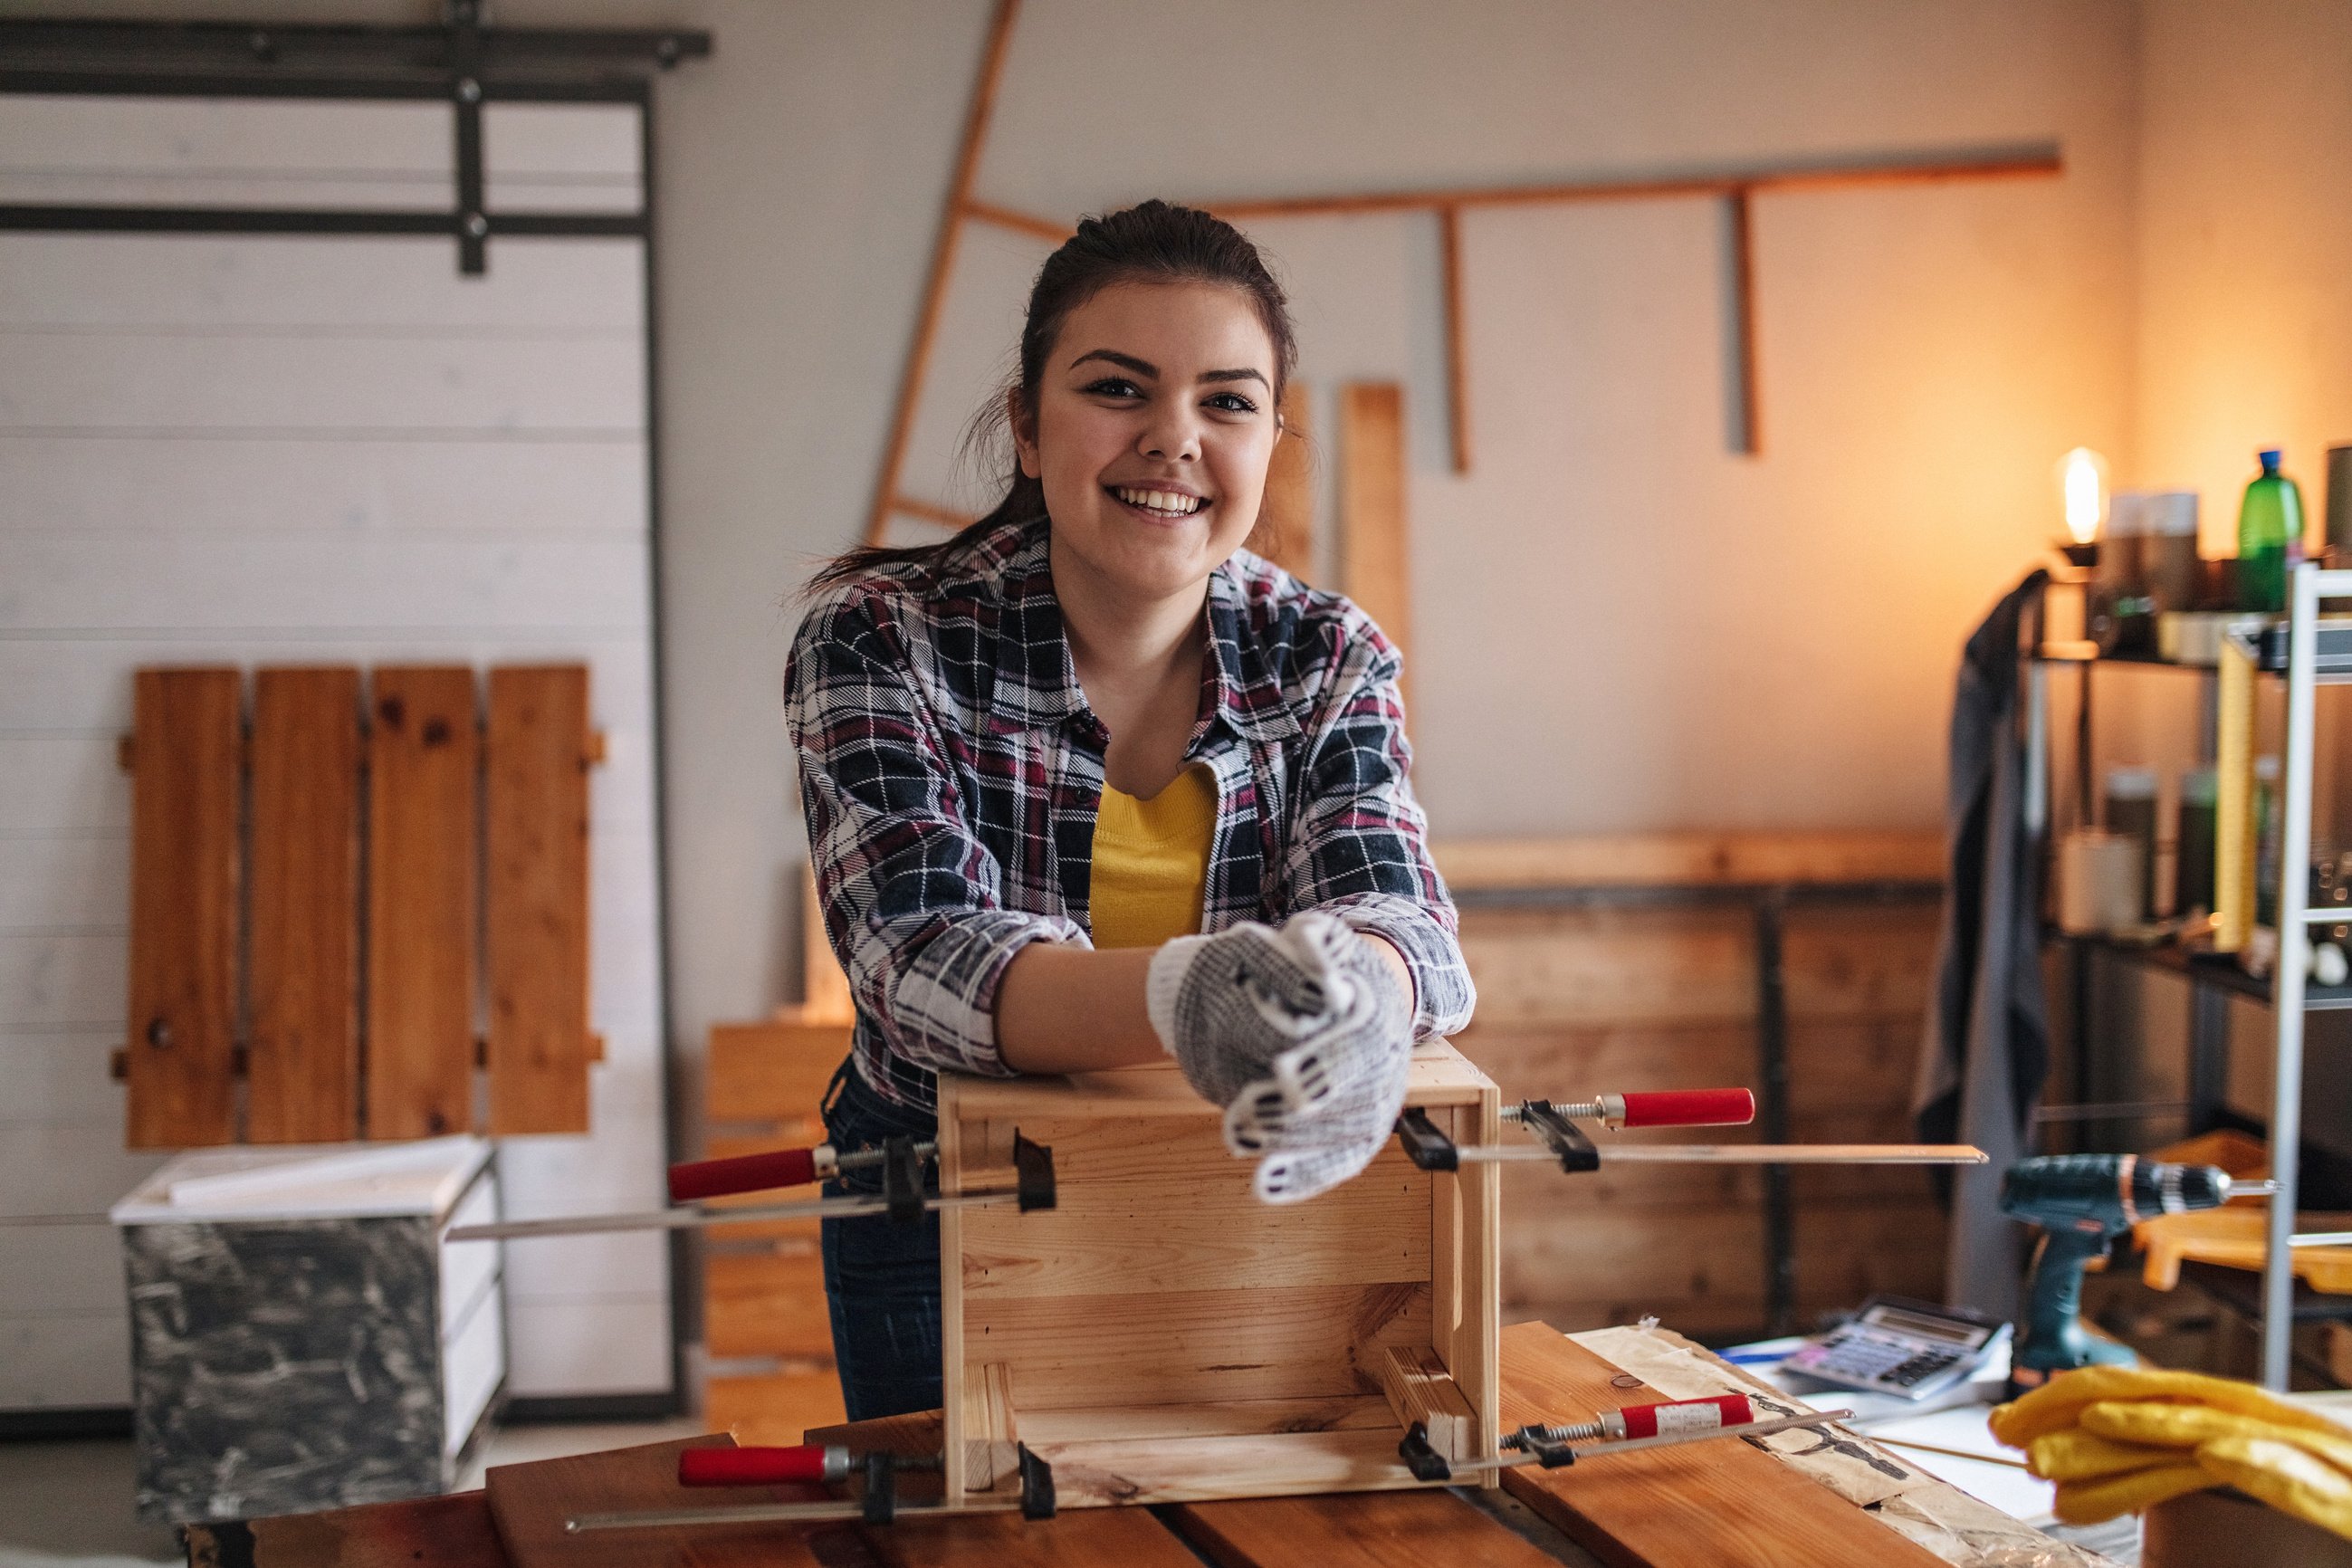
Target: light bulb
[(2083, 484)]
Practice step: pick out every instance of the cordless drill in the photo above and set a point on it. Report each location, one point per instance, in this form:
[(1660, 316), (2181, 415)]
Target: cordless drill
[(2083, 1202)]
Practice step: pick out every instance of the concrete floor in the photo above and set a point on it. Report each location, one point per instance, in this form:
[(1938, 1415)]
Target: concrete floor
[(67, 1505)]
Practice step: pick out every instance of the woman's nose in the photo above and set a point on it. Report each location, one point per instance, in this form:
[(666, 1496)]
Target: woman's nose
[(1172, 436)]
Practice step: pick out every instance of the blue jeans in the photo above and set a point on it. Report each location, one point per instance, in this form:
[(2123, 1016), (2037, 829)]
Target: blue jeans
[(881, 1278)]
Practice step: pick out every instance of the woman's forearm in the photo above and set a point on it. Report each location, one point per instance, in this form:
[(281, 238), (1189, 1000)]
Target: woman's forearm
[(1076, 1009)]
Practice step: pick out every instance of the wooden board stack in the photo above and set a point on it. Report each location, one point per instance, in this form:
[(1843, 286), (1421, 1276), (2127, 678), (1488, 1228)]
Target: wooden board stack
[(1161, 1331)]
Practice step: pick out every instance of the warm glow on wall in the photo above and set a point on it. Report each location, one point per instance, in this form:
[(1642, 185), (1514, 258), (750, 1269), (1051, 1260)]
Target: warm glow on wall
[(2082, 482)]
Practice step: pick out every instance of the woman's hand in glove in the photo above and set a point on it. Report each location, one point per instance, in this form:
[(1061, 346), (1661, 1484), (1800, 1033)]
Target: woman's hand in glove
[(1227, 1006)]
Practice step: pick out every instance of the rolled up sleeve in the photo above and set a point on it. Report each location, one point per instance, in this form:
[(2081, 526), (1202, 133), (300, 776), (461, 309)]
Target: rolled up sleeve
[(909, 893), (1360, 844)]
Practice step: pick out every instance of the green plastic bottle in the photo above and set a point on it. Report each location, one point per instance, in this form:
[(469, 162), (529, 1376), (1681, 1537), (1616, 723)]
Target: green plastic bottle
[(2270, 531)]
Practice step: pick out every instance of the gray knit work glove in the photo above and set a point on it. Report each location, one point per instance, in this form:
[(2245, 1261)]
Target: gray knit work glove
[(1228, 1007), (1360, 1057)]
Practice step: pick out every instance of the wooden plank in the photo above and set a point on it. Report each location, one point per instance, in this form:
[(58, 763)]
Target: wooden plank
[(1696, 1506), (531, 1502), (954, 1370), (1189, 1346), (1691, 859), (1612, 966), (302, 943), (453, 1532), (1331, 1412), (1378, 1530), (187, 752), (991, 1434), (1085, 1539), (1111, 1233), (767, 1304), (1285, 533), (1128, 1472), (1421, 1392), (535, 899), (1748, 424), (772, 1071), (1473, 1356), (1375, 553), (1457, 351), (424, 747)]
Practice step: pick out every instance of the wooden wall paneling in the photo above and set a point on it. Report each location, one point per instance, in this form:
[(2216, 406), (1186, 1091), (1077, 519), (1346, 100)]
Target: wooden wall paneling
[(1690, 860), (767, 1304), (423, 833), (1286, 519), (187, 757), (302, 933), (535, 899), (1375, 556), (773, 1072), (824, 986)]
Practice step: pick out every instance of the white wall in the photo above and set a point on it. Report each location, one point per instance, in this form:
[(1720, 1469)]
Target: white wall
[(1619, 627)]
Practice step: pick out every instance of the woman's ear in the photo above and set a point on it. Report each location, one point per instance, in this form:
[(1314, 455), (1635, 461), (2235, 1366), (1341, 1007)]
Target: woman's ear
[(1024, 424)]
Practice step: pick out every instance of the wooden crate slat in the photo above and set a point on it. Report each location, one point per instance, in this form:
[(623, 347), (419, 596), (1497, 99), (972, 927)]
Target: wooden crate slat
[(302, 941), (772, 1072), (186, 755), (423, 752), (767, 1304), (1285, 533), (536, 898)]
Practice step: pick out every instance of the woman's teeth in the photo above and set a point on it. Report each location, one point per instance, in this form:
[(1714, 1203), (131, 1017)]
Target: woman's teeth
[(1167, 503)]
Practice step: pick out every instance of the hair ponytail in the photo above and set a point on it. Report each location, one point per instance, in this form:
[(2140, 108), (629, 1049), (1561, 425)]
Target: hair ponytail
[(1152, 242)]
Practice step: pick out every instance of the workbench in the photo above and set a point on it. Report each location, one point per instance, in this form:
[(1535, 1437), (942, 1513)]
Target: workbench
[(1732, 1504)]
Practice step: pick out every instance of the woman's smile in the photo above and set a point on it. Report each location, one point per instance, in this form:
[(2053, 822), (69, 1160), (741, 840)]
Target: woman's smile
[(1160, 502)]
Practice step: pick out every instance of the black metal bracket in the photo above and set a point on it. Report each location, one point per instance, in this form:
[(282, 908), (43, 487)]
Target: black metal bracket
[(466, 93), (1551, 1456), (1036, 1485), (1033, 1165), (1424, 1145), (1425, 1462), (1564, 1137), (881, 1500), (902, 1181)]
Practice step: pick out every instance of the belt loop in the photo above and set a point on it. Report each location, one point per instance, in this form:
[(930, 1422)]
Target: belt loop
[(833, 1089)]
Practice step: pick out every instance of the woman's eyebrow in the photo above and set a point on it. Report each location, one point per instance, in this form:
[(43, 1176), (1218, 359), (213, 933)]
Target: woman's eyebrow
[(1124, 362), (1242, 375)]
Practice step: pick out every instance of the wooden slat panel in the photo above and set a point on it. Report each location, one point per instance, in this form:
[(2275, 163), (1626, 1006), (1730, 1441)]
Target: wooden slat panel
[(453, 1531), (767, 1303), (1376, 568), (186, 755), (772, 1072), (531, 1502), (1703, 1505), (535, 899), (1286, 519), (303, 923), (1374, 1529), (423, 750)]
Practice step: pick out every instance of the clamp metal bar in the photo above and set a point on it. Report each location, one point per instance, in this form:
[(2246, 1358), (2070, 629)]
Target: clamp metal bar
[(1740, 1154), (1554, 1460), (692, 1219)]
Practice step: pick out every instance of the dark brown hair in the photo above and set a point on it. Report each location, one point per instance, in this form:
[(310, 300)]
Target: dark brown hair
[(1152, 242)]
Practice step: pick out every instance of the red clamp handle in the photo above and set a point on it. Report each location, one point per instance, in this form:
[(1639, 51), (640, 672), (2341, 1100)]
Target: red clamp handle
[(750, 1467), (1690, 1108), (699, 1179), (1686, 1415)]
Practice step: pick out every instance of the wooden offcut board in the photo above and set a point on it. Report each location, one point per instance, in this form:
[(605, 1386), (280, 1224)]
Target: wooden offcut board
[(537, 895), (1375, 555), (424, 805), (186, 765), (302, 932)]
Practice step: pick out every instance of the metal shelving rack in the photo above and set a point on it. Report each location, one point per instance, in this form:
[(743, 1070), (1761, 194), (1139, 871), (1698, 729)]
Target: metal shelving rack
[(2213, 982)]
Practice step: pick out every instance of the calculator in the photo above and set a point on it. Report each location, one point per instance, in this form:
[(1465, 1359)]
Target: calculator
[(1895, 1345)]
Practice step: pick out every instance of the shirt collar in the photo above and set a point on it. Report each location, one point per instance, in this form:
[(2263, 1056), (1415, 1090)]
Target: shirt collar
[(1037, 681)]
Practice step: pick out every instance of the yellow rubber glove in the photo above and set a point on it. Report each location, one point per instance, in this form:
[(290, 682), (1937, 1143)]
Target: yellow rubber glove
[(2058, 1403), (2075, 1454), (2283, 1475), (2097, 1500), (2170, 1425)]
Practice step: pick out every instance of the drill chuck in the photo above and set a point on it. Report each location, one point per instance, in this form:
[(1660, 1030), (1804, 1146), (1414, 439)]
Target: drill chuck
[(2106, 1193)]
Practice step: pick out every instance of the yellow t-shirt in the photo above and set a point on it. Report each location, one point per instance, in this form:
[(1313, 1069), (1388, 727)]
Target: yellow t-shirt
[(1151, 861)]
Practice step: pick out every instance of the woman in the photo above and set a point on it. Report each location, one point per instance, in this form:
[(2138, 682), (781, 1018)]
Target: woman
[(1087, 785)]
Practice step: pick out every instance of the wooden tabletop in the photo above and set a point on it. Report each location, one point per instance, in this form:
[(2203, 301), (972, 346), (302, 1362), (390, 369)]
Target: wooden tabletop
[(1714, 1505)]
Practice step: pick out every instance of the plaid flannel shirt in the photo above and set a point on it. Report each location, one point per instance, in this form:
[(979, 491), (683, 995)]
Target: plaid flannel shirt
[(951, 772)]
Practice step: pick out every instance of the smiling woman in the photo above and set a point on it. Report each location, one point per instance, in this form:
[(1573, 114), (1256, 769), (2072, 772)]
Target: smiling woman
[(1090, 785)]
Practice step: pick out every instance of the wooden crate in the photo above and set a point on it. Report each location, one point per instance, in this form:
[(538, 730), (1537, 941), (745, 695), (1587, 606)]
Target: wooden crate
[(1161, 1331)]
